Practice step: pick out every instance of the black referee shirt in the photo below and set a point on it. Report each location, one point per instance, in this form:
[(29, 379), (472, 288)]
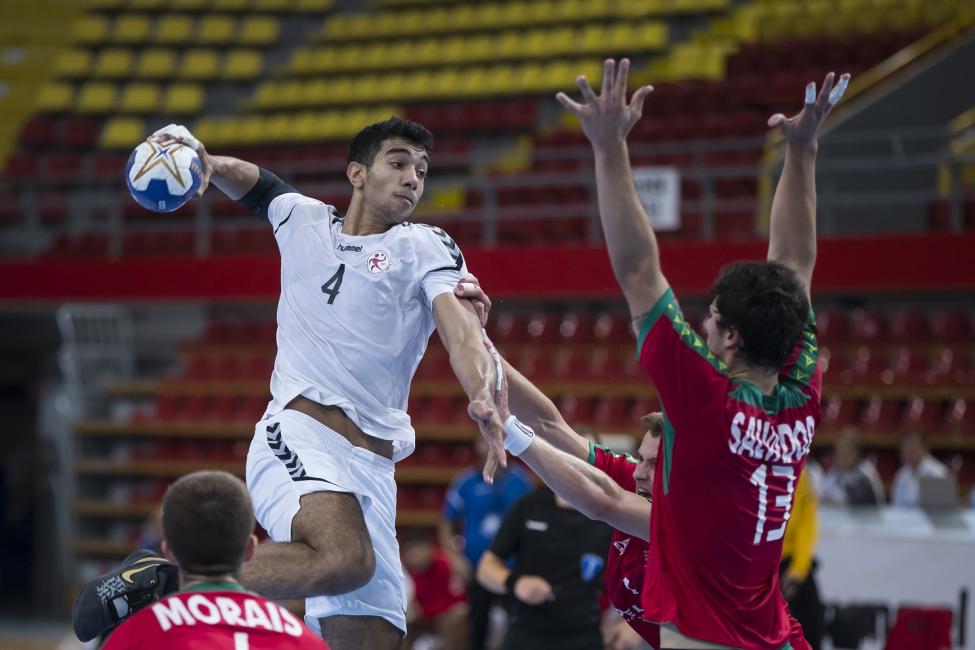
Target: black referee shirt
[(569, 551)]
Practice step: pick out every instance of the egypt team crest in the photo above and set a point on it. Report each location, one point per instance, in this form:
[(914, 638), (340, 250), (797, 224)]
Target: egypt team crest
[(378, 263)]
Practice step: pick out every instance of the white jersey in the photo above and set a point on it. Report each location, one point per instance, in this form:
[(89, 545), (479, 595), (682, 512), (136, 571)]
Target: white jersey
[(355, 314)]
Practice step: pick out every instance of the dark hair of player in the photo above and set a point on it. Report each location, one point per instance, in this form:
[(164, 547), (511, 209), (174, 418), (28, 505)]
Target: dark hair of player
[(366, 144), (765, 302), (207, 518), (653, 423)]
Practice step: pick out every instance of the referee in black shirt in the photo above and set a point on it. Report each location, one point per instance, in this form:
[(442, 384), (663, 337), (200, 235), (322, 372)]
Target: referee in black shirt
[(557, 577)]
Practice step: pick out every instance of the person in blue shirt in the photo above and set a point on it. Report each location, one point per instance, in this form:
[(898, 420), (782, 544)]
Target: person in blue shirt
[(472, 514)]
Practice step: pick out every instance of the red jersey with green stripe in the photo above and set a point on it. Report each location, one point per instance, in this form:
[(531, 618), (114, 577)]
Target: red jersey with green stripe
[(626, 560), (722, 495)]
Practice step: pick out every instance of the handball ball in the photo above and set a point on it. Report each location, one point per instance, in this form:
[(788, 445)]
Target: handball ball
[(163, 178)]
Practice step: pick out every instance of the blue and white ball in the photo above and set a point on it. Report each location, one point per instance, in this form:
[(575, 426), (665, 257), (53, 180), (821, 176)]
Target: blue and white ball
[(162, 178)]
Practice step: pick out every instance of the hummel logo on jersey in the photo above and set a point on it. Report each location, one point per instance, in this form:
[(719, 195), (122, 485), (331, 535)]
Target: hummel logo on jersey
[(451, 247), (621, 545), (290, 459), (350, 248)]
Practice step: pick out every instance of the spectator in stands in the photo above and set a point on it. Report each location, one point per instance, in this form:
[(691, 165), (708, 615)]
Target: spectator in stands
[(851, 480), (474, 509), (208, 533), (798, 567), (917, 463), (439, 602), (557, 576)]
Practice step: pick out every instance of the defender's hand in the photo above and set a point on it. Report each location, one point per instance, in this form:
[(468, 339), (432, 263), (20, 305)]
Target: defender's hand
[(607, 118), (803, 128), (469, 288)]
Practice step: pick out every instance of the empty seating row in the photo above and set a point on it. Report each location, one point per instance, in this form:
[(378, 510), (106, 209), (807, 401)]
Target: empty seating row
[(160, 63), (212, 5), (106, 97), (632, 37), (175, 29)]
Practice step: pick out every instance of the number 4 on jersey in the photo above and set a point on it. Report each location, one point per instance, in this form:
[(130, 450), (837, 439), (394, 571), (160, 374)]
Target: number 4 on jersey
[(332, 285)]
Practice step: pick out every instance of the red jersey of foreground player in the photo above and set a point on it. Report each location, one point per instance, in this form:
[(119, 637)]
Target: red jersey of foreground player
[(721, 497), (222, 617), (627, 557)]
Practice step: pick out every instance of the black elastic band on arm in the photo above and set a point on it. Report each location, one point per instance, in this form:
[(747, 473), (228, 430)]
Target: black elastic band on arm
[(259, 198)]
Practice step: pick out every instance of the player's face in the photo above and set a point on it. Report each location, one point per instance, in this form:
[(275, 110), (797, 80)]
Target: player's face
[(718, 339), (394, 183), (646, 466)]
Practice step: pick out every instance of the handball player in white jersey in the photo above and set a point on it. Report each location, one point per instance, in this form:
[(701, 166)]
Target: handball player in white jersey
[(360, 296)]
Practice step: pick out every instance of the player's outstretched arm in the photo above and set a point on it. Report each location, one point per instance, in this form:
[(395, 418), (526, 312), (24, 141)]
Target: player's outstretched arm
[(792, 228), (478, 372), (589, 490), (232, 176), (606, 121)]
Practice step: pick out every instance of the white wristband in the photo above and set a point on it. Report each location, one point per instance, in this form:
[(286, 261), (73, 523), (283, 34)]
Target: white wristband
[(518, 436)]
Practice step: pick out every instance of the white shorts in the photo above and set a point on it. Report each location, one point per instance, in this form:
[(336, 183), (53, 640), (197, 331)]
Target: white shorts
[(292, 455)]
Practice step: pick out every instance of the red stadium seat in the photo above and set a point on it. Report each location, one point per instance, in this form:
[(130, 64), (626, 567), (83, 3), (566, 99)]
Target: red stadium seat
[(868, 325), (63, 166), (909, 325), (614, 328), (919, 628), (80, 132), (39, 132), (951, 325), (838, 413), (108, 166), (833, 325), (21, 166)]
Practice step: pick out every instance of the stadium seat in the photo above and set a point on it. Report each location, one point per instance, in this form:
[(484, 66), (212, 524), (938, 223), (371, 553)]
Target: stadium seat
[(157, 63), (96, 97), (122, 133), (90, 30), (259, 30), (173, 29), (55, 97), (62, 166), (140, 98), (80, 132), (131, 28), (113, 63), (951, 325), (242, 64), (183, 98), (215, 29), (199, 65), (917, 627), (39, 132), (73, 63)]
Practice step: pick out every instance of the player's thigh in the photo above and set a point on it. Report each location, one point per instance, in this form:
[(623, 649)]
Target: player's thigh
[(343, 632), (333, 522)]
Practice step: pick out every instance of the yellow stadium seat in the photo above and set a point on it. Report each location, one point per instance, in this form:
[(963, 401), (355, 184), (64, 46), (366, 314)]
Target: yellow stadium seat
[(242, 64), (90, 30), (199, 64), (183, 98), (650, 35), (498, 79), (96, 97), (216, 30), (141, 98), (250, 130), (157, 63), (113, 62), (592, 39), (122, 133), (131, 28), (188, 5), (277, 128), (271, 5), (488, 16), (55, 97), (302, 60), (266, 94), (229, 5), (174, 29), (314, 5), (259, 30), (479, 48), (317, 92), (144, 5), (73, 63), (104, 4)]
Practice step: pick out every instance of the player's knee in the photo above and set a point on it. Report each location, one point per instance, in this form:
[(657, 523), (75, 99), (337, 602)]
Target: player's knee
[(341, 570)]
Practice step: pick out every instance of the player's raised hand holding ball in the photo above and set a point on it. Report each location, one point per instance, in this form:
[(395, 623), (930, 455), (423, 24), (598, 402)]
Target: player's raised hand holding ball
[(168, 169)]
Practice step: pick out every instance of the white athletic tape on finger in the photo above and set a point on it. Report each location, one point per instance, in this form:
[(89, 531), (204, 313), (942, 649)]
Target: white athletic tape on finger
[(518, 436), (811, 92), (181, 132), (467, 286), (837, 93)]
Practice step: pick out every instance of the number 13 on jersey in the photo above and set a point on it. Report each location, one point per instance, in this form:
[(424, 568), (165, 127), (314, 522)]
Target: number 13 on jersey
[(760, 479)]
